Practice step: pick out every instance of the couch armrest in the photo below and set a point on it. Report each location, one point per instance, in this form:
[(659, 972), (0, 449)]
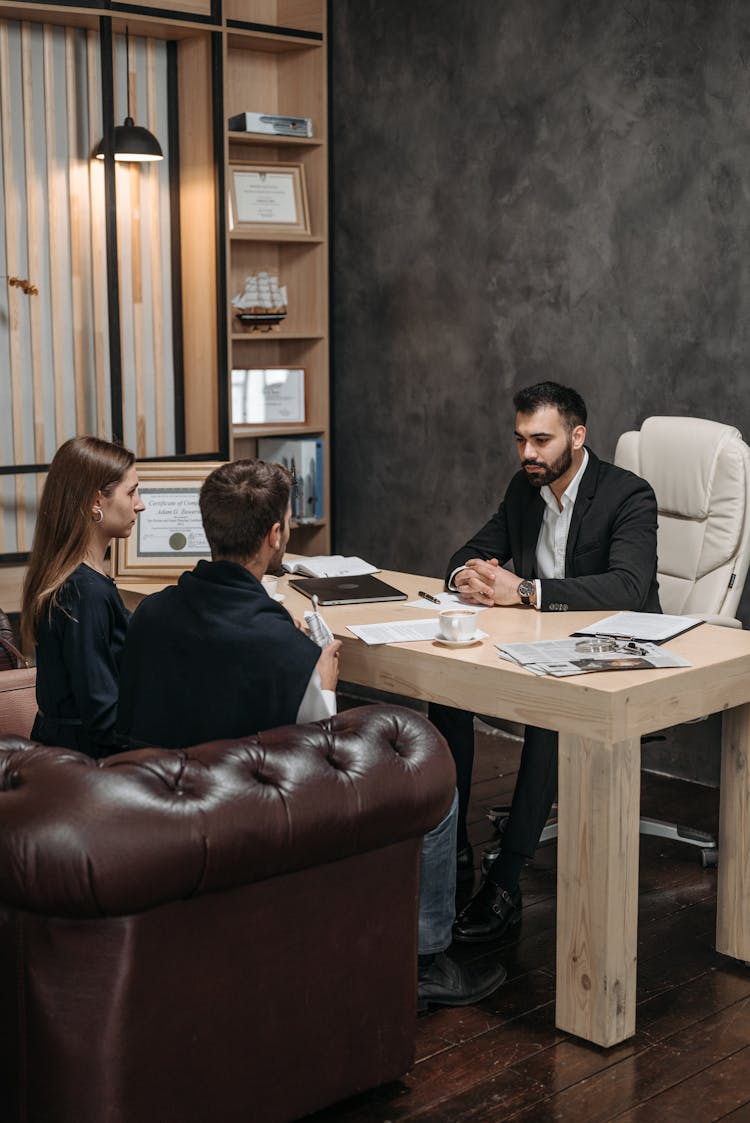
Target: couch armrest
[(135, 830), (17, 701)]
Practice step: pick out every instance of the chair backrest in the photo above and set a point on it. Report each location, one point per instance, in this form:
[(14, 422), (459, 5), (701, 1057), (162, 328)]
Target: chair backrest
[(700, 473)]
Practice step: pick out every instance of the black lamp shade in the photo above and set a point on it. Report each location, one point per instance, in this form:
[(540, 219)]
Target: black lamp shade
[(133, 144)]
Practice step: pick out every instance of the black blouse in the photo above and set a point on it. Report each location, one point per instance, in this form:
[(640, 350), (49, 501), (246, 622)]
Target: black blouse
[(78, 654)]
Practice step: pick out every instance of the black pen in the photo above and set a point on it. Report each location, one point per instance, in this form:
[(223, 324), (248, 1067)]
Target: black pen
[(428, 597)]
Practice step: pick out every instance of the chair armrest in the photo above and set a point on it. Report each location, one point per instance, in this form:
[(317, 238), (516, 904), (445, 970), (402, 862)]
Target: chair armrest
[(722, 621)]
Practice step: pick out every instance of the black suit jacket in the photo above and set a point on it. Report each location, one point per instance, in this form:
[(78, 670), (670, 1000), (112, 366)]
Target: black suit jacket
[(610, 559)]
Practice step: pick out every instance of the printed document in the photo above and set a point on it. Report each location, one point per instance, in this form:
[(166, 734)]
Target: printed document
[(655, 627), (401, 631)]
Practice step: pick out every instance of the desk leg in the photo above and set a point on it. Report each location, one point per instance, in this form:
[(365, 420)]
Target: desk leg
[(597, 887), (733, 890)]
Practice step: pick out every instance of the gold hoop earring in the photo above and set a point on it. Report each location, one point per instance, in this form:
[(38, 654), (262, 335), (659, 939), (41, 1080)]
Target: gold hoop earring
[(97, 511)]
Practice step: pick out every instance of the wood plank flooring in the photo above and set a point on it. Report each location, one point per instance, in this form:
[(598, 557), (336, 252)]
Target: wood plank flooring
[(503, 1059)]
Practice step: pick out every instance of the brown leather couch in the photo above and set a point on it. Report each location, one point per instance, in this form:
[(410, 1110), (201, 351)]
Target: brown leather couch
[(225, 934), (17, 701)]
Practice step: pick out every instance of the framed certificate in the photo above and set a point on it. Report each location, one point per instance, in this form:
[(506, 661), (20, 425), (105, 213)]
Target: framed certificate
[(268, 198), (268, 396), (168, 535)]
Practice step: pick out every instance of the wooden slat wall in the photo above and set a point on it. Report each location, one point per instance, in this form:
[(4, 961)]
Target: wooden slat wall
[(12, 394), (54, 348)]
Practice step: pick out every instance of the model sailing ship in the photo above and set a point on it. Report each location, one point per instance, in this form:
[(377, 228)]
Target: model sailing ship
[(262, 304)]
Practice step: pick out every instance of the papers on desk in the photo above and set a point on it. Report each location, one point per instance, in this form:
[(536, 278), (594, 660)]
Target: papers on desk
[(445, 600), (401, 631), (560, 658), (652, 627)]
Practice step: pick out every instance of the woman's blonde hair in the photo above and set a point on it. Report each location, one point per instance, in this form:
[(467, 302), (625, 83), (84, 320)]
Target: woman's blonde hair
[(80, 469)]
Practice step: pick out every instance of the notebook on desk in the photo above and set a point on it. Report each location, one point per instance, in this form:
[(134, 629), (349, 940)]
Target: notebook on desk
[(361, 589)]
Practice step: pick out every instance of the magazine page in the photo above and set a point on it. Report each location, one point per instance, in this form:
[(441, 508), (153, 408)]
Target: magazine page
[(564, 657)]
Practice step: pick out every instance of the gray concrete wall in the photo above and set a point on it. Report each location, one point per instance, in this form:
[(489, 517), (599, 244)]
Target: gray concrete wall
[(526, 189)]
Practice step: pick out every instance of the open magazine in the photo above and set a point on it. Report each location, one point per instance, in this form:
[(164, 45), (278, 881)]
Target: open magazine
[(565, 657)]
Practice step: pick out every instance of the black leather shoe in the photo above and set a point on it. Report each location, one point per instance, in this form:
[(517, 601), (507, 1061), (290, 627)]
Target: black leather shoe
[(445, 982), (465, 865), (490, 914)]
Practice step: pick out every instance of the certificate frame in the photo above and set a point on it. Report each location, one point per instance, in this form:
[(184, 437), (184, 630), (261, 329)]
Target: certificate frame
[(282, 210), (146, 555), (252, 396)]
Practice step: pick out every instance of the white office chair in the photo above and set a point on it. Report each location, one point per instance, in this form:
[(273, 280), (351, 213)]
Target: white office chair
[(700, 473)]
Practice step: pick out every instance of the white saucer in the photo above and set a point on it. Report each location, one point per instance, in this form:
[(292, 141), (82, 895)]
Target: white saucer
[(459, 642)]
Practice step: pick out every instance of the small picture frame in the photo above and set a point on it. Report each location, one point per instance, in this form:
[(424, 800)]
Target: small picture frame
[(168, 535), (266, 396), (268, 199)]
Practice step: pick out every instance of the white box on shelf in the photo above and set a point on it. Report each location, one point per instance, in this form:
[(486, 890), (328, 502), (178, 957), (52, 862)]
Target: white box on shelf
[(274, 124)]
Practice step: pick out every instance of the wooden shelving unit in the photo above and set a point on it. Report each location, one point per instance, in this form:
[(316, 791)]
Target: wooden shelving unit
[(243, 55), (286, 73)]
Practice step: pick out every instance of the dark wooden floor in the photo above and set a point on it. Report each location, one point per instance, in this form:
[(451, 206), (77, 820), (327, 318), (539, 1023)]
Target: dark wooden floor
[(504, 1059)]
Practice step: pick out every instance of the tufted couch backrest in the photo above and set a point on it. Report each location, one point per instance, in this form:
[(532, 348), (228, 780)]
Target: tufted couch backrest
[(115, 836)]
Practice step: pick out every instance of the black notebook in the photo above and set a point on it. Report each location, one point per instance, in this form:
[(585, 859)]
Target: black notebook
[(347, 590)]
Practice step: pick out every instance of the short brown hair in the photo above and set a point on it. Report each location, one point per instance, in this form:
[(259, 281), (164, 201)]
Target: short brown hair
[(240, 502)]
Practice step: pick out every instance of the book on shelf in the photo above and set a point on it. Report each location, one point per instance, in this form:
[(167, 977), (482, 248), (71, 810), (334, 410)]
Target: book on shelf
[(334, 565), (303, 456)]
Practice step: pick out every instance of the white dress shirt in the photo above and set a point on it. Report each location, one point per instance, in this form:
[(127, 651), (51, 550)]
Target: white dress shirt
[(553, 533), (316, 703)]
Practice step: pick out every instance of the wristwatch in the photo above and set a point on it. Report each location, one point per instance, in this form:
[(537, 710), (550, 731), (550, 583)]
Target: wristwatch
[(526, 591)]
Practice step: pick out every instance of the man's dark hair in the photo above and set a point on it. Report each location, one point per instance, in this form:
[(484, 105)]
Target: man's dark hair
[(568, 402), (240, 502)]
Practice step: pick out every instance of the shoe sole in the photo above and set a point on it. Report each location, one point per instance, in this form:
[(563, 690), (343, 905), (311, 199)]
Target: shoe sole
[(423, 1004)]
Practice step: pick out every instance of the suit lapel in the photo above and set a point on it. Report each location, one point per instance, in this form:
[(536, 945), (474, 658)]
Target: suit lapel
[(586, 492)]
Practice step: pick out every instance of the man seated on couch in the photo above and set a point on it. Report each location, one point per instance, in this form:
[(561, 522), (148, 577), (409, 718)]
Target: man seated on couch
[(215, 657)]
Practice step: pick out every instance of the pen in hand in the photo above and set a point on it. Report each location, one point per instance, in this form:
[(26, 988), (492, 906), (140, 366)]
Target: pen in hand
[(428, 597)]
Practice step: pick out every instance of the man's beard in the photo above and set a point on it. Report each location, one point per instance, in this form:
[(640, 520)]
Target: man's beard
[(550, 472), (274, 564)]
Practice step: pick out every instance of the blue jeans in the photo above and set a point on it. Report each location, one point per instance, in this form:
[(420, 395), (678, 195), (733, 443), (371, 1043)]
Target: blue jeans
[(437, 884)]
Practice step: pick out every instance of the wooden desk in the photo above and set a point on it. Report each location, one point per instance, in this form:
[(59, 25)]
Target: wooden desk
[(600, 718)]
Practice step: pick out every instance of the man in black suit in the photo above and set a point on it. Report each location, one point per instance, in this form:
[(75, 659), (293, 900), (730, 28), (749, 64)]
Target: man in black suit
[(582, 535)]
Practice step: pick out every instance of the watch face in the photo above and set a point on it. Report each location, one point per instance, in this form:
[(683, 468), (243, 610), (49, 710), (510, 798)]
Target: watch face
[(525, 589)]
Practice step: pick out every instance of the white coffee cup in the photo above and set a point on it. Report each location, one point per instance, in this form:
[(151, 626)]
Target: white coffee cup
[(270, 584), (458, 625)]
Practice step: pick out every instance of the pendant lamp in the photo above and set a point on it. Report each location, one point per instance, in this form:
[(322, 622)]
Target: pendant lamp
[(132, 143)]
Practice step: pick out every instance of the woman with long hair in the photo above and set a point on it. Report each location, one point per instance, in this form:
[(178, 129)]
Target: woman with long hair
[(71, 608)]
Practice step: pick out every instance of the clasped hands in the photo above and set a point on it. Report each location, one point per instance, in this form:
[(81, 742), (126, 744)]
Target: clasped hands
[(486, 582)]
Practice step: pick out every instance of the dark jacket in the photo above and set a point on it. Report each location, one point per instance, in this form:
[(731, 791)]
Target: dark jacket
[(78, 652), (610, 559), (211, 657)]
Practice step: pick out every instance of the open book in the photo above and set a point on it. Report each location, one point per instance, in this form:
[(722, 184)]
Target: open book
[(328, 566)]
